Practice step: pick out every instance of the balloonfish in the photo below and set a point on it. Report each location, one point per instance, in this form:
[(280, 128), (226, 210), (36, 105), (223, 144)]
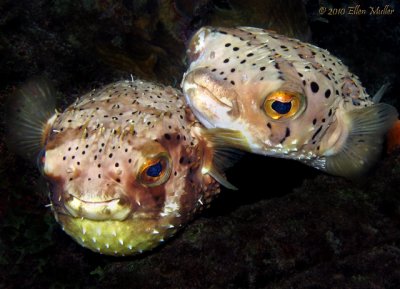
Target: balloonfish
[(284, 98), (126, 165)]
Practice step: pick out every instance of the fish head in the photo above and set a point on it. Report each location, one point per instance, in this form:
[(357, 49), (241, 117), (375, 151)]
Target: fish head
[(123, 191), (257, 82)]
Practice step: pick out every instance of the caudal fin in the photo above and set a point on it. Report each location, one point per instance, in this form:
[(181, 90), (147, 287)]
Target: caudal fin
[(28, 112)]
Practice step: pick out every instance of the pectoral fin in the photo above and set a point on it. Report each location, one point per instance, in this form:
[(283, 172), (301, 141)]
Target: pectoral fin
[(228, 147), (363, 145), (28, 113)]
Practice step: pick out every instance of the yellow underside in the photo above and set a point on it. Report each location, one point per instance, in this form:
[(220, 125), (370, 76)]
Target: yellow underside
[(118, 238)]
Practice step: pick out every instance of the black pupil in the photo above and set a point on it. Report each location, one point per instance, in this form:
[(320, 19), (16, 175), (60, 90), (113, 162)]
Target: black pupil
[(281, 107), (154, 170)]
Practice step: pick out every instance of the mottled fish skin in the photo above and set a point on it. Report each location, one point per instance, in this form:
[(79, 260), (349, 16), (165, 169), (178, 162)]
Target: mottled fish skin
[(94, 156), (232, 70)]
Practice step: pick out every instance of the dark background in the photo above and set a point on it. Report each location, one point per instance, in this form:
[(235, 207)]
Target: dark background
[(289, 226)]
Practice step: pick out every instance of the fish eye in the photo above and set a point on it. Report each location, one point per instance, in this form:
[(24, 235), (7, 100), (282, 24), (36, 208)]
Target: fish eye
[(155, 171), (283, 104)]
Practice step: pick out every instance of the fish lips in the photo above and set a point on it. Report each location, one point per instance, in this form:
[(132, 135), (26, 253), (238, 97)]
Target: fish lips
[(212, 100), (112, 209)]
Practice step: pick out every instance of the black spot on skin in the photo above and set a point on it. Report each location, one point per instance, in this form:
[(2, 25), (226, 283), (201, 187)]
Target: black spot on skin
[(330, 112), (130, 160), (110, 155), (116, 165), (64, 158), (232, 82), (277, 65), (167, 136), (323, 120), (327, 93), (226, 60), (262, 68), (317, 132), (314, 121), (214, 69), (269, 125), (304, 82), (301, 75), (235, 48), (250, 54), (287, 134), (233, 70), (243, 61), (314, 87), (181, 160), (227, 44)]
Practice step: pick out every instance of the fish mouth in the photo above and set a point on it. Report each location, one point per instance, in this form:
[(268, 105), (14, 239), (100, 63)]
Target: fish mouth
[(206, 85), (112, 209), (211, 100)]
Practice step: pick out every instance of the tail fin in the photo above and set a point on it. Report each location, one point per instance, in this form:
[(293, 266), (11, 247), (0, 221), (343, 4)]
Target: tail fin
[(28, 112)]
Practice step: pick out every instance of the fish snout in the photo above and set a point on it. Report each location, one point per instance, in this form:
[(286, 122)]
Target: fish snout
[(117, 208), (211, 99)]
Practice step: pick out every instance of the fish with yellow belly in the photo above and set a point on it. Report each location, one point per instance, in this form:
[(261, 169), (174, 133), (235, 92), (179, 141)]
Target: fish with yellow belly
[(285, 98), (126, 165)]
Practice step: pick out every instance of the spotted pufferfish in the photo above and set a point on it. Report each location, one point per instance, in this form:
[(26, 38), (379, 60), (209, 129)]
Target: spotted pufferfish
[(284, 98), (126, 165)]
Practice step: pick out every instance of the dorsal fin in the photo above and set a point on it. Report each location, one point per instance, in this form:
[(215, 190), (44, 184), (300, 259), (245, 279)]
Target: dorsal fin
[(382, 90)]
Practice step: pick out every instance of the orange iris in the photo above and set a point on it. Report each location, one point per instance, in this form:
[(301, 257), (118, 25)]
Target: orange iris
[(283, 104), (155, 171)]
